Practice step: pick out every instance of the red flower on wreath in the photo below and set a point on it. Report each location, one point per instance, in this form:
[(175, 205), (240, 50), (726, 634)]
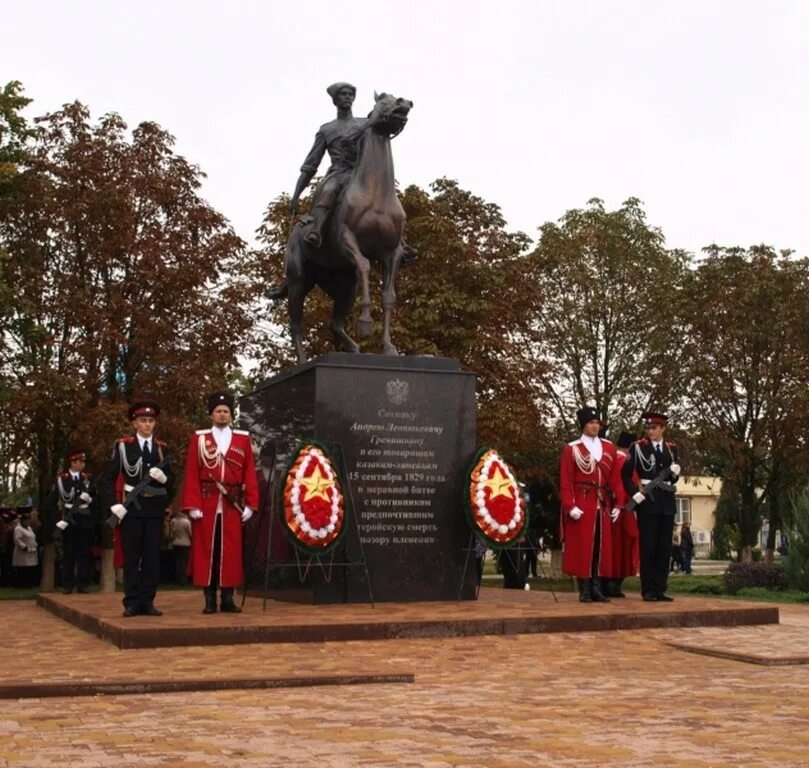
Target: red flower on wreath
[(314, 509), (495, 503)]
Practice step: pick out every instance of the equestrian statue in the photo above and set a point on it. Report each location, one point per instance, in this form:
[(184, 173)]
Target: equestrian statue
[(355, 219)]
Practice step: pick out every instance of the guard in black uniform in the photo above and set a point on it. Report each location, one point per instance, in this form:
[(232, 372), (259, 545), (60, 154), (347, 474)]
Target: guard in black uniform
[(136, 458), (72, 504), (647, 459)]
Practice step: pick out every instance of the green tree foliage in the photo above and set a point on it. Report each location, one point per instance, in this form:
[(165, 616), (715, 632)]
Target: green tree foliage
[(744, 367), (15, 136), (469, 295), (123, 281), (796, 527), (605, 319), (15, 133)]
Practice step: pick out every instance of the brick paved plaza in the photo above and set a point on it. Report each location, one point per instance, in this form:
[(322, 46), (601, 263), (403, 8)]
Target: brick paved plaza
[(619, 698)]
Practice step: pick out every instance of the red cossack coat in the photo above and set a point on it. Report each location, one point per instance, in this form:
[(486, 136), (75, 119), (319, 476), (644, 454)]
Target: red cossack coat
[(237, 472), (591, 486), (624, 532)]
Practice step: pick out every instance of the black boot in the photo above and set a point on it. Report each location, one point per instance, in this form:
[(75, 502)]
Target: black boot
[(616, 590), (595, 590), (585, 593), (226, 604), (210, 600)]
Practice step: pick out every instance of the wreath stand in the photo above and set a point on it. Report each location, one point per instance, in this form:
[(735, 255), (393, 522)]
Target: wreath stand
[(470, 548), (304, 562)]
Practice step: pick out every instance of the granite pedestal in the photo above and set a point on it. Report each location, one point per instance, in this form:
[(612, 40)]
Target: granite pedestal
[(406, 429)]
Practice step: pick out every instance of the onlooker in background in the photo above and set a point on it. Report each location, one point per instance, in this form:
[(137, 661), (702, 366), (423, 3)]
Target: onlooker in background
[(514, 567), (25, 558), (531, 554), (6, 545), (686, 547), (181, 545), (676, 554)]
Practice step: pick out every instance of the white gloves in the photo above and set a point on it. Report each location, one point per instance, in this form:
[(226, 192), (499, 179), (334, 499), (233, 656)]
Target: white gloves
[(86, 497), (158, 474), (575, 513), (119, 510), (614, 514), (675, 468), (247, 514), (195, 514), (639, 498), (61, 525)]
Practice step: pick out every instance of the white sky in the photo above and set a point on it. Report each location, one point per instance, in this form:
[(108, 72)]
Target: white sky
[(700, 109)]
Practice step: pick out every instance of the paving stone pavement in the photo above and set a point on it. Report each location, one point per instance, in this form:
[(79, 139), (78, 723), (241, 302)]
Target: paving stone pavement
[(585, 699)]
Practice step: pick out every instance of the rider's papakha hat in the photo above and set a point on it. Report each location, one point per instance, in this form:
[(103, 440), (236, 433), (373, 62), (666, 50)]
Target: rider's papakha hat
[(335, 88), (588, 413)]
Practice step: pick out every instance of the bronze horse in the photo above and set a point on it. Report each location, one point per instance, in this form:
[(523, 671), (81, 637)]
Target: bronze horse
[(366, 225)]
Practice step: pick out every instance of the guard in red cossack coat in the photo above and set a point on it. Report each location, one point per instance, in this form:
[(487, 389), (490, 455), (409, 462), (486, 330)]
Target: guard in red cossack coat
[(624, 531), (220, 493), (588, 482)]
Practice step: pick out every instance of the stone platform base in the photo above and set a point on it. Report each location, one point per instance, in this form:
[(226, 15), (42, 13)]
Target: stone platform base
[(497, 612)]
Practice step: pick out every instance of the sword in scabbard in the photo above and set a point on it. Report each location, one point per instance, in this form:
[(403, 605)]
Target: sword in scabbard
[(220, 486)]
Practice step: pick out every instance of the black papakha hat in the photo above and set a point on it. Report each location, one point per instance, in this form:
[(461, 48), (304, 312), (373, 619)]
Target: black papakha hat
[(588, 413), (221, 398), (625, 439)]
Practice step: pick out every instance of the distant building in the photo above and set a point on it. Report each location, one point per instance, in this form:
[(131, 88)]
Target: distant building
[(697, 498)]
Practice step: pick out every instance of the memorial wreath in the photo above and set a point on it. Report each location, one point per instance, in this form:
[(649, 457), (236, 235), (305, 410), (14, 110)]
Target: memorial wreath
[(312, 500), (494, 503)]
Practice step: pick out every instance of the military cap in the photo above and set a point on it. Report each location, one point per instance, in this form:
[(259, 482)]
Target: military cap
[(144, 408), (654, 418), (76, 454)]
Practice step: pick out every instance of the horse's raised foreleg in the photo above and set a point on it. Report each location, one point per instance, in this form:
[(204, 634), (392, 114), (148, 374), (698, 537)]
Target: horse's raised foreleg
[(390, 266), (351, 247)]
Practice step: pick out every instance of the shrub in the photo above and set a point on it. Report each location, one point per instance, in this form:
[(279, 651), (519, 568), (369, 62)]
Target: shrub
[(756, 553), (703, 588), (745, 575)]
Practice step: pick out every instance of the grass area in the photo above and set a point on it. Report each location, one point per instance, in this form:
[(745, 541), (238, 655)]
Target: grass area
[(12, 593), (680, 584)]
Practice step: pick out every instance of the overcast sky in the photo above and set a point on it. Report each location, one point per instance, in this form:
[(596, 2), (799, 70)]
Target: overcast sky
[(700, 109)]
